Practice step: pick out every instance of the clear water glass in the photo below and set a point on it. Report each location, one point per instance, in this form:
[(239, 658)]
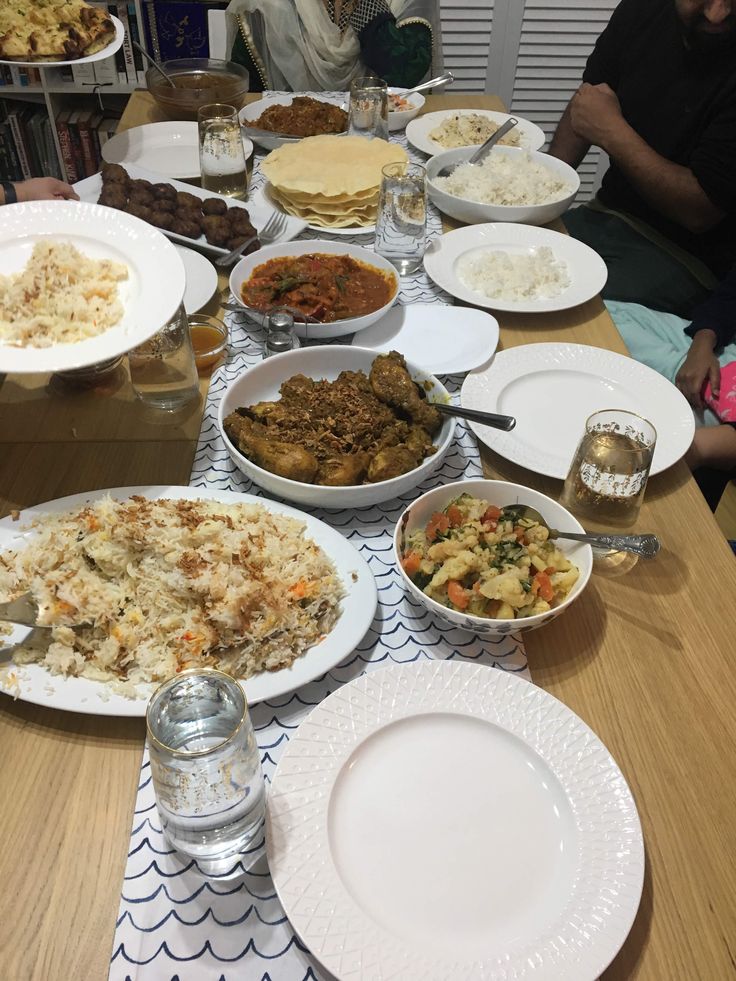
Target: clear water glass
[(221, 154), (401, 225), (206, 769), (163, 371), (609, 472), (368, 115)]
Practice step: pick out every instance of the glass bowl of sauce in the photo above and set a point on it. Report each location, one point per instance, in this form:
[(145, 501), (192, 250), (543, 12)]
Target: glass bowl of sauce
[(209, 340)]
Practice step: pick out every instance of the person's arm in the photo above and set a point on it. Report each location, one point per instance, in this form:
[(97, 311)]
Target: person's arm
[(670, 188), (713, 326), (41, 189), (566, 144)]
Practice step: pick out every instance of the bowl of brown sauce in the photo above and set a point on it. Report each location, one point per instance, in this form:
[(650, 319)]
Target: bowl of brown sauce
[(197, 82)]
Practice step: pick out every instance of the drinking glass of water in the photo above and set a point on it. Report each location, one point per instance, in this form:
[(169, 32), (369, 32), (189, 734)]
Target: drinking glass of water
[(368, 115), (163, 370), (609, 472), (401, 225), (221, 153), (206, 769)]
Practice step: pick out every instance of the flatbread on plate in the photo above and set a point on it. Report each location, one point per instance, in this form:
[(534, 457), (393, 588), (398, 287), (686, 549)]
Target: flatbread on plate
[(47, 30)]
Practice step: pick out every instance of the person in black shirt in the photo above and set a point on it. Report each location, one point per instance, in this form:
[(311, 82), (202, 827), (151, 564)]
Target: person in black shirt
[(659, 96)]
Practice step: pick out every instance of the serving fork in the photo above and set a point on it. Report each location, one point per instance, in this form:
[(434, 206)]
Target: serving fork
[(273, 229)]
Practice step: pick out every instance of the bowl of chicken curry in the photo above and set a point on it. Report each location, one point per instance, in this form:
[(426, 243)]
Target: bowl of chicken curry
[(335, 427), (333, 289)]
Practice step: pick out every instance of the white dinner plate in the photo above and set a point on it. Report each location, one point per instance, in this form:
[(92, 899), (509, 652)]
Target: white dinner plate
[(258, 207), (150, 296), (445, 820), (105, 52), (269, 141), (201, 279), (169, 149), (33, 683), (531, 137), (585, 268), (553, 388), (351, 230), (439, 338)]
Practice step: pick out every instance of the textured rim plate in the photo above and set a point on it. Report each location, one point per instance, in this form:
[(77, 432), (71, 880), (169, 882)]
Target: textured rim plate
[(553, 388), (169, 149), (439, 338), (258, 207), (111, 48), (586, 269), (351, 230), (418, 130), (446, 820), (201, 279), (150, 296), (32, 683)]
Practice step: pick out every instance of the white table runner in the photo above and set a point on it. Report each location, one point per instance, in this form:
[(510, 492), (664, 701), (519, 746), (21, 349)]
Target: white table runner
[(174, 926)]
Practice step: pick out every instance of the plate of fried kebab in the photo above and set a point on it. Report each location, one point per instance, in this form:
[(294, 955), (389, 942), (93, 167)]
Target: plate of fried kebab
[(184, 213)]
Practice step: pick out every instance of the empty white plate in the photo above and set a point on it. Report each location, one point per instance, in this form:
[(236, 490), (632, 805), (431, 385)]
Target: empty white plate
[(551, 389), (439, 338), (443, 819), (170, 149), (201, 279)]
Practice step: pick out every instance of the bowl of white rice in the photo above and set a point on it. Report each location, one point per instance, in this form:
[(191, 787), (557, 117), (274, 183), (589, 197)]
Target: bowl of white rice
[(511, 184)]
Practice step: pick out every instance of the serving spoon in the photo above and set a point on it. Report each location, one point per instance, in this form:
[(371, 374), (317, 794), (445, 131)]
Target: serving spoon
[(446, 78), (153, 63), (483, 150), (646, 546)]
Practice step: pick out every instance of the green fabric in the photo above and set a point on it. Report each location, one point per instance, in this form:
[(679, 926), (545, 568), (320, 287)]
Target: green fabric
[(400, 55), (659, 341), (638, 271)]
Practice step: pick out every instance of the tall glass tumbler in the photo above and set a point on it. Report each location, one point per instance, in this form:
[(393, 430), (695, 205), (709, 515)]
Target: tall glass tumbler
[(163, 371), (206, 769), (401, 225), (368, 115), (610, 469), (221, 153)]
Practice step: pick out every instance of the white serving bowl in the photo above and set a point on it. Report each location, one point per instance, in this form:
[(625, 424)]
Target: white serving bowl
[(250, 113), (399, 119), (500, 493), (473, 212), (262, 383), (339, 328)]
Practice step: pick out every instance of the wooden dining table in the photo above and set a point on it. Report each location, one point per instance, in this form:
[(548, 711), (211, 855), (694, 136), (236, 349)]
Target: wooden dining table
[(645, 659)]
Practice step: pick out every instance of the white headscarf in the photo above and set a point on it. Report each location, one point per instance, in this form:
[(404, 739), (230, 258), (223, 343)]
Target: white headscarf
[(303, 49)]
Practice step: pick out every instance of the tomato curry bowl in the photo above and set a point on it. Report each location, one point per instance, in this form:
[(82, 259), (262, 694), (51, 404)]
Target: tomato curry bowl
[(324, 286)]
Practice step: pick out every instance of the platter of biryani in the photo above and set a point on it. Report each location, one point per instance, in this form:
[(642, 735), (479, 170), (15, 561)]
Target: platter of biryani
[(275, 120), (137, 583), (50, 32), (331, 182)]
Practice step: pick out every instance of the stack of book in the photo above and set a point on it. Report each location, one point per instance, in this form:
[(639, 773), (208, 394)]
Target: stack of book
[(26, 142), (21, 76), (82, 134)]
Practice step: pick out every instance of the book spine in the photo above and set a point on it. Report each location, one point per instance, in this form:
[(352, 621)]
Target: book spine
[(96, 149), (153, 40), (67, 155), (87, 148), (106, 72), (14, 163), (84, 75), (76, 145), (25, 167), (135, 35), (52, 159), (5, 169), (112, 9), (15, 76), (130, 71)]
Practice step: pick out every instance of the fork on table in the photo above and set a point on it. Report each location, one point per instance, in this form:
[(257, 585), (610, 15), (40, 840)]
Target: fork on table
[(273, 229)]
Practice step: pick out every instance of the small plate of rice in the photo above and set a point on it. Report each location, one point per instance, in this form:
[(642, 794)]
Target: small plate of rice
[(137, 583), (516, 268), (447, 129), (79, 284)]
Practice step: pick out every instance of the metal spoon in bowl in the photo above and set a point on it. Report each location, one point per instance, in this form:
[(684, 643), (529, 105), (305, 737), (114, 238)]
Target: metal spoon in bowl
[(483, 150), (446, 78), (646, 546), (153, 63), (491, 419)]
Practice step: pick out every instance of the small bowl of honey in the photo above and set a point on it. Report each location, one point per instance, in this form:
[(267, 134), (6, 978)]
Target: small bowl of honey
[(209, 340)]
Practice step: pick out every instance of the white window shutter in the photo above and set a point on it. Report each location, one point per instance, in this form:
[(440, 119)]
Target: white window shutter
[(554, 42), (466, 35)]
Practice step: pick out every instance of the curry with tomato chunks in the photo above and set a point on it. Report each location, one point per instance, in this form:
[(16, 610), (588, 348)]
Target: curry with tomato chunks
[(326, 287)]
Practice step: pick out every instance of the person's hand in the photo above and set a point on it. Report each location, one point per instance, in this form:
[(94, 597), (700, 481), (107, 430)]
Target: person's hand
[(595, 113), (45, 189), (699, 366)]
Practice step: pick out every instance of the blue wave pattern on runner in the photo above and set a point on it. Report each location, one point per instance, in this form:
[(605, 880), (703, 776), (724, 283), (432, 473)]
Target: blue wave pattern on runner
[(172, 925)]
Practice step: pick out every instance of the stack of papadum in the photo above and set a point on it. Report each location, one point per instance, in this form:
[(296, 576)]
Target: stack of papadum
[(331, 181)]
